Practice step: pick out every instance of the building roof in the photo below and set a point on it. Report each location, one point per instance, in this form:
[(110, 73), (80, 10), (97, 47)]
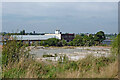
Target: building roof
[(107, 40), (33, 37)]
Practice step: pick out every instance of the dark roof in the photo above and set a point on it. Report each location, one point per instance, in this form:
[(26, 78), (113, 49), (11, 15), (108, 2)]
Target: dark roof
[(107, 40)]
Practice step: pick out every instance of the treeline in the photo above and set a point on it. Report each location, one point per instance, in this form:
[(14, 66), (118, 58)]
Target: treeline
[(79, 40), (23, 32)]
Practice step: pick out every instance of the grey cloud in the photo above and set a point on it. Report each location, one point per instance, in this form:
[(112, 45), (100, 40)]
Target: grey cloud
[(66, 15)]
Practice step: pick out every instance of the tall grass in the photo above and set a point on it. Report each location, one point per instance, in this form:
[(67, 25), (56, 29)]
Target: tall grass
[(35, 69)]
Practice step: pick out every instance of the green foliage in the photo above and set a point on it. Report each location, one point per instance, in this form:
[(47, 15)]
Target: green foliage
[(42, 43), (38, 69), (91, 62), (83, 40), (42, 70), (22, 32), (12, 52), (52, 42), (99, 37), (73, 65), (100, 62), (46, 45), (64, 43), (14, 73), (116, 45), (50, 71), (37, 43), (119, 43), (86, 63), (70, 43), (91, 41), (77, 41), (88, 40)]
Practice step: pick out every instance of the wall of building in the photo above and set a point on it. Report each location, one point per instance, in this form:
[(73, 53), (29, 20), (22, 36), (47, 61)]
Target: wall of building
[(33, 37), (57, 35), (67, 37)]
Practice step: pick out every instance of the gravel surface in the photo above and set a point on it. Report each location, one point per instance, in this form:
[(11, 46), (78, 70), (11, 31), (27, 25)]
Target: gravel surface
[(73, 54)]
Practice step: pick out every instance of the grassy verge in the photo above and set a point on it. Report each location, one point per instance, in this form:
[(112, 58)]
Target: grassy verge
[(88, 67)]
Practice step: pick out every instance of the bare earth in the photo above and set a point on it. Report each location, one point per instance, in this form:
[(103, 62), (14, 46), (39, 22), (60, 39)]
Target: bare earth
[(73, 53)]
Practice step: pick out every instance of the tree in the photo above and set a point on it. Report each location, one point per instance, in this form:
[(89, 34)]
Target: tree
[(91, 40), (70, 43), (116, 45), (82, 34), (85, 40), (59, 43), (22, 32), (52, 42), (77, 41), (64, 43), (99, 36), (13, 51), (42, 43)]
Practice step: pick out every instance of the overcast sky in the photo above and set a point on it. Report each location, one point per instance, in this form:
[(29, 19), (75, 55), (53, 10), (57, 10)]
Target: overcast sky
[(74, 17)]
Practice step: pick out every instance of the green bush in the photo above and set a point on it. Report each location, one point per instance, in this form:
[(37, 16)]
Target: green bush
[(52, 42), (14, 73), (116, 45), (86, 63), (73, 65), (70, 43), (64, 43), (12, 53), (42, 43)]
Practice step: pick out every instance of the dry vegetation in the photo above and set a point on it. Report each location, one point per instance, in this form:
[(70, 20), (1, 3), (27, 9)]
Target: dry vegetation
[(110, 71), (85, 68)]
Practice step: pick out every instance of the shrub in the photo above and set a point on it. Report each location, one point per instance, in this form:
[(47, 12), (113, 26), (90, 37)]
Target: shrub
[(116, 45), (13, 51), (14, 73), (64, 43), (86, 63), (70, 43), (52, 42)]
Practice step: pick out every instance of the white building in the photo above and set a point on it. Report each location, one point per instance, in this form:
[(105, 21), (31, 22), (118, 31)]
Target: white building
[(57, 34), (37, 37)]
